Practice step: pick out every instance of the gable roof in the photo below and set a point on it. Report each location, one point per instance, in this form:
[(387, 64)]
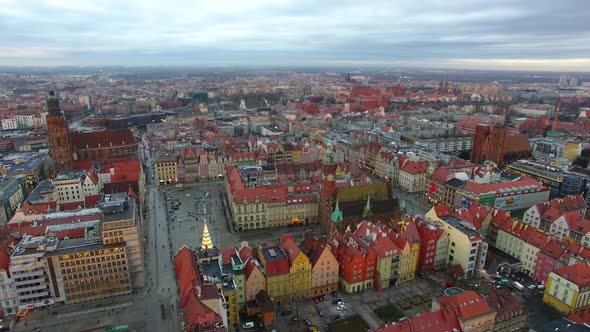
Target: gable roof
[(467, 305), (578, 274), (97, 139)]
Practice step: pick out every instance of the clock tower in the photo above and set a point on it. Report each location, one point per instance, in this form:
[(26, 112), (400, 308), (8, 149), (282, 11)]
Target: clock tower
[(60, 146), (328, 190)]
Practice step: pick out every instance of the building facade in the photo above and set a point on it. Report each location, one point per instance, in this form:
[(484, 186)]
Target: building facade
[(81, 271)]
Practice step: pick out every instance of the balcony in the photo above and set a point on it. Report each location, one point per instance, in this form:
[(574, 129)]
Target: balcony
[(31, 281), (34, 273), (33, 296)]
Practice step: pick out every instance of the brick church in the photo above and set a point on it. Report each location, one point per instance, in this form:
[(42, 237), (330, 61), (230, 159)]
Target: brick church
[(67, 147)]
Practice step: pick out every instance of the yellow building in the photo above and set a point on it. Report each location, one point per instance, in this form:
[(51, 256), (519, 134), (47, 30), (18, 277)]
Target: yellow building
[(229, 293), (165, 170), (409, 232), (568, 289), (268, 206), (276, 268), (299, 269), (466, 246)]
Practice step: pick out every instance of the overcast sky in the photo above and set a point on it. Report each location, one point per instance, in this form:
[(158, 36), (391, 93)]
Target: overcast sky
[(491, 34)]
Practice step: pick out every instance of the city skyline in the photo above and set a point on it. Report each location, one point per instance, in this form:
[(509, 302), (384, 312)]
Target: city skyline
[(502, 35)]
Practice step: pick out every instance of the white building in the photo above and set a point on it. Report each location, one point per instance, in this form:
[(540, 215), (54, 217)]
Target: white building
[(8, 299), (29, 275), (9, 124), (91, 184), (69, 187)]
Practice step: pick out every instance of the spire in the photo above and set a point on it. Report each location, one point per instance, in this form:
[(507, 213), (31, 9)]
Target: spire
[(367, 210), (337, 213), (206, 241), (329, 157)]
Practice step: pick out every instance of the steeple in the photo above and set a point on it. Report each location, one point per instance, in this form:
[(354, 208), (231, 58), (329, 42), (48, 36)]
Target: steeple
[(337, 213), (206, 241), (53, 105), (329, 157), (367, 210)]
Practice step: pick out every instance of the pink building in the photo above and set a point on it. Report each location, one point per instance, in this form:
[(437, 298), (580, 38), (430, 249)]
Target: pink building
[(255, 280), (324, 270)]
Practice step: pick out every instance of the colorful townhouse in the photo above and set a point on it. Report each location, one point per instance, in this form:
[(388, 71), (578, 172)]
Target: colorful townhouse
[(568, 289), (387, 253), (434, 247), (233, 265), (352, 268), (299, 268), (408, 231), (324, 270), (276, 267), (553, 256)]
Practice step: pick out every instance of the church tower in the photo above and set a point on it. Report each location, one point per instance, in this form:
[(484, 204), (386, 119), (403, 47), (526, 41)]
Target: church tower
[(328, 190), (59, 134)]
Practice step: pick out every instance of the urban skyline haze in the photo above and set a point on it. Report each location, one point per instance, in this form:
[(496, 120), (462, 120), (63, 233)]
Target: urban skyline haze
[(521, 35)]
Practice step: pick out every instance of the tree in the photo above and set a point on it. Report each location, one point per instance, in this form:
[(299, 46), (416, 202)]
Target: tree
[(581, 161)]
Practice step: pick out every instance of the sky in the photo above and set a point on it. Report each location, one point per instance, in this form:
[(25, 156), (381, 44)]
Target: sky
[(460, 34)]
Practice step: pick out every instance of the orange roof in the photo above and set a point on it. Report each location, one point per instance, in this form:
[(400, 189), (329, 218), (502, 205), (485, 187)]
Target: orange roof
[(414, 167), (97, 139), (185, 269), (467, 305), (289, 245), (578, 274), (479, 188)]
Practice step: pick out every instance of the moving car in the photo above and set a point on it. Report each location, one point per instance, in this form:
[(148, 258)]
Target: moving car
[(335, 317)]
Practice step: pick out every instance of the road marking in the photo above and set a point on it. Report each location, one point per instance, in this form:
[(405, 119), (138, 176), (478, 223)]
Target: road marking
[(89, 311)]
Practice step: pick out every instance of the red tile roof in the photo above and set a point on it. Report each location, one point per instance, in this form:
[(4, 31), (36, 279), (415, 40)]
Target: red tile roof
[(479, 188), (197, 315), (441, 320), (467, 305), (186, 273), (441, 174), (414, 167), (290, 247), (578, 274), (71, 206), (245, 253), (4, 260), (104, 139), (443, 211), (92, 200)]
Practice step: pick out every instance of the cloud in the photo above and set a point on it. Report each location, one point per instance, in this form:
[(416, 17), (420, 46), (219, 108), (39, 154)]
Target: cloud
[(539, 34)]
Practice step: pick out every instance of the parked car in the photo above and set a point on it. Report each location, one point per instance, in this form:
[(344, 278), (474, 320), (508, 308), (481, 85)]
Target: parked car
[(324, 297), (321, 313), (334, 294), (335, 317), (340, 307), (315, 299), (248, 325), (532, 286), (307, 322), (286, 313), (337, 301)]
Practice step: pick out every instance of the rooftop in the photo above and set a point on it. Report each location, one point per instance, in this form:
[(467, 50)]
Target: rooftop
[(77, 245), (463, 227)]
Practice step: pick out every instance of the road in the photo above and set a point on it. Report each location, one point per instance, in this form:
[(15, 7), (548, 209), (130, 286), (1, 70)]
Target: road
[(161, 282)]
